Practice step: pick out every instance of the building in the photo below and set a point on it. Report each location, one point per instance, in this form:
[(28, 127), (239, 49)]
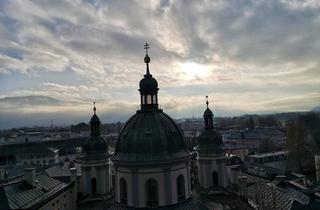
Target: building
[(269, 138), (37, 191), (275, 160)]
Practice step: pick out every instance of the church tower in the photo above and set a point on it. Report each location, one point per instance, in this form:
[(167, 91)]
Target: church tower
[(211, 159), (151, 160), (95, 179)]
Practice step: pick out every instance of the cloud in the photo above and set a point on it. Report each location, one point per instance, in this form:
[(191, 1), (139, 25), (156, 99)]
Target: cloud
[(246, 54)]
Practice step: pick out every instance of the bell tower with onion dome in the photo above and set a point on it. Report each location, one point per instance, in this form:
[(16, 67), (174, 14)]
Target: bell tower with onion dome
[(211, 158), (94, 162), (151, 160)]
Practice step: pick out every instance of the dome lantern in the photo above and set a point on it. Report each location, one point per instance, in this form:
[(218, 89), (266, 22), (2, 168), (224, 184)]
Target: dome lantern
[(95, 143), (208, 117), (95, 122)]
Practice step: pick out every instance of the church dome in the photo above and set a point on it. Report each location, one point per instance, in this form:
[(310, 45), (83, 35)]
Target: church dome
[(150, 136), (210, 140), (208, 113), (148, 85), (95, 144)]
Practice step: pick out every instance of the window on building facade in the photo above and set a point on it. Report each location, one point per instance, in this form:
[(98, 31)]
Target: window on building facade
[(123, 191), (152, 193), (93, 185), (215, 180), (181, 190)]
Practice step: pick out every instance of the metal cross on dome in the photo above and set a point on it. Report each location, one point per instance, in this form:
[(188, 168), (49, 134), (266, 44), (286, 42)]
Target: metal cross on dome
[(146, 47), (207, 101), (94, 107)]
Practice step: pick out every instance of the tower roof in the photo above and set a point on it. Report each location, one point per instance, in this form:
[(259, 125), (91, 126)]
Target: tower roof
[(95, 144), (207, 112), (210, 140)]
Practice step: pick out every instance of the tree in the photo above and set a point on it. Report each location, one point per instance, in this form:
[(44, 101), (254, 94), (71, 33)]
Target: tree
[(301, 147), (250, 124)]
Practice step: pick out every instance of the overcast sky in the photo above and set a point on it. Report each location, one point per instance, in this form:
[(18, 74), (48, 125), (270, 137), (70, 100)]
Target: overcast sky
[(248, 56)]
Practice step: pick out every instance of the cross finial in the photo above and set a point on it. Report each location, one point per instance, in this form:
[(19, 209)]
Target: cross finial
[(94, 107), (146, 47), (207, 102)]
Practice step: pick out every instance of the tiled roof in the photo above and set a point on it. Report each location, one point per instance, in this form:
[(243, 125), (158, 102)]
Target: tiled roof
[(20, 195), (280, 196), (267, 196)]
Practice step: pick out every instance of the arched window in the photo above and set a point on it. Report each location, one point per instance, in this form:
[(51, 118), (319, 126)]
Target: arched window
[(123, 191), (154, 99), (215, 180), (93, 186), (149, 100), (152, 193), (181, 190)]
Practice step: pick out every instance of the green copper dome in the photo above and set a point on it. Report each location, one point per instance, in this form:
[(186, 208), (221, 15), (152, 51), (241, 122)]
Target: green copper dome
[(148, 85), (210, 140), (150, 136), (208, 113)]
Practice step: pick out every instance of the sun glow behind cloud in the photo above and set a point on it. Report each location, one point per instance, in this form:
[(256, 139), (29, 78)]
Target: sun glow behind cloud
[(193, 70)]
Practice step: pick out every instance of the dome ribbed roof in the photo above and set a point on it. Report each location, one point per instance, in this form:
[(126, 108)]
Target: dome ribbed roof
[(210, 140), (150, 136), (148, 85), (208, 113), (95, 144)]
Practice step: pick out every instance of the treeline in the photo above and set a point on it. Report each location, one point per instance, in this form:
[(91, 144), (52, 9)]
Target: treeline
[(105, 128), (246, 121)]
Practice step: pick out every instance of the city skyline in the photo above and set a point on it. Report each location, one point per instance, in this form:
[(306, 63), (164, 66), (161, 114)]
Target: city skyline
[(247, 56)]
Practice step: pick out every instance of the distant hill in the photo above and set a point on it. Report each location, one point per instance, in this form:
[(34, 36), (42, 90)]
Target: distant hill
[(316, 109), (36, 100)]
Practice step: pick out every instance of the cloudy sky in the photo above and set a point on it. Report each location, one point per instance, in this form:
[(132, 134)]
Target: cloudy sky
[(248, 56)]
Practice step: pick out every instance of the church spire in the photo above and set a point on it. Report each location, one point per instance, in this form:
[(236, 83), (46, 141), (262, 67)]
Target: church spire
[(207, 102), (148, 87), (147, 60), (95, 122), (208, 116)]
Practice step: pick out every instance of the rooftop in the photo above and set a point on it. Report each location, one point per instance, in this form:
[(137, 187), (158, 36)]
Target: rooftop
[(18, 194)]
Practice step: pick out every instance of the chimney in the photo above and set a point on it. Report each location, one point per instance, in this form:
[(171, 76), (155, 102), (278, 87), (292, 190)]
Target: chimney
[(73, 176), (30, 176), (243, 188)]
